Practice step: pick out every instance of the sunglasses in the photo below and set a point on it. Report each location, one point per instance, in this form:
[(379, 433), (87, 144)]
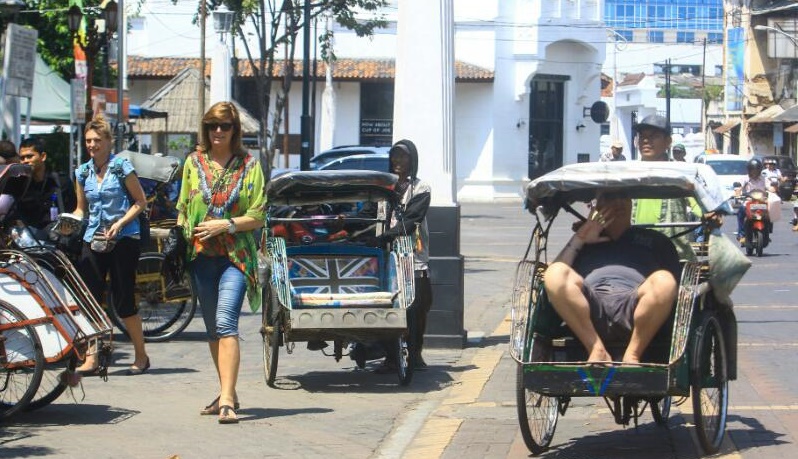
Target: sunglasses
[(214, 126)]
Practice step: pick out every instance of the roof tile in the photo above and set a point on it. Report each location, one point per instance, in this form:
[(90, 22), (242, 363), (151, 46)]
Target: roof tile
[(343, 69)]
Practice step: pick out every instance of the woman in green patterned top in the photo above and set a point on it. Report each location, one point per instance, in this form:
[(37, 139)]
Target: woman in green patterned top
[(221, 204)]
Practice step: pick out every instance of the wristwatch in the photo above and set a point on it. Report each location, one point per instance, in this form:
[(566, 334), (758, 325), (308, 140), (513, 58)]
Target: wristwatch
[(232, 228)]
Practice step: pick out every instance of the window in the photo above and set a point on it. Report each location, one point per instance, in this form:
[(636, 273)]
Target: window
[(714, 37), (685, 37), (656, 36)]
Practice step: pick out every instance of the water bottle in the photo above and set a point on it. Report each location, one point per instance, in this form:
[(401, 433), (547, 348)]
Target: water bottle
[(53, 207)]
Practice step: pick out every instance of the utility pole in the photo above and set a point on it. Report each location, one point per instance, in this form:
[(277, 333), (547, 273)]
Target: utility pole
[(668, 91), (304, 158), (201, 95), (704, 90)]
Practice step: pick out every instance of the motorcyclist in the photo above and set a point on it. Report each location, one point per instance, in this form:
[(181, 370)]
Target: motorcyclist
[(754, 181), (772, 175)]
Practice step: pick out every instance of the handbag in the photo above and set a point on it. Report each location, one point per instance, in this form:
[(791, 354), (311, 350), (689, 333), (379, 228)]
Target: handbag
[(101, 244), (174, 250)]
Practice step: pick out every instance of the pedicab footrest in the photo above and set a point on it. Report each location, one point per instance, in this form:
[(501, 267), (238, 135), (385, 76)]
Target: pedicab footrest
[(347, 318), (596, 380), (342, 300)]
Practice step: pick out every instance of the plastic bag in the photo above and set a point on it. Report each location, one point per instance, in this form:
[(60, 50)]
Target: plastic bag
[(727, 265)]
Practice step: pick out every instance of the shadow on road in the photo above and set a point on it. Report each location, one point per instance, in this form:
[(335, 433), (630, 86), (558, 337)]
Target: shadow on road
[(252, 414), (63, 415), (434, 378)]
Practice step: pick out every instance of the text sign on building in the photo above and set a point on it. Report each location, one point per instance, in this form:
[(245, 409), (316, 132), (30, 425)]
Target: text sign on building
[(78, 90), (376, 127), (19, 64)]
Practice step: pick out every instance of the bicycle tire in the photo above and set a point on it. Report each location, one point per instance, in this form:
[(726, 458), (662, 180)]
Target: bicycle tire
[(18, 385), (161, 319), (52, 384)]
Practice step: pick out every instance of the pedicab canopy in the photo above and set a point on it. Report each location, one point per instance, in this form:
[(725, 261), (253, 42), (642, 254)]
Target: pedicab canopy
[(311, 187), (638, 179)]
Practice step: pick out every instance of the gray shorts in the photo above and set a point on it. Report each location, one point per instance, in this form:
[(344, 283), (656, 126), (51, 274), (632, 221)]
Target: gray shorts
[(612, 312)]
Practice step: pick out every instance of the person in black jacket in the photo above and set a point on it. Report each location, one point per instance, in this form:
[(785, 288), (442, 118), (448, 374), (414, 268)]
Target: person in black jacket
[(410, 218), (48, 190)]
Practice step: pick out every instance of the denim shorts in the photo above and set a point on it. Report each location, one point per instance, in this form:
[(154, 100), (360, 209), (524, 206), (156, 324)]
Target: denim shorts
[(220, 288)]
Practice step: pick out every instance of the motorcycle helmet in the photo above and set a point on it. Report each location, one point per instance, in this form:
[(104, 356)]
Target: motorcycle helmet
[(770, 161), (755, 165)]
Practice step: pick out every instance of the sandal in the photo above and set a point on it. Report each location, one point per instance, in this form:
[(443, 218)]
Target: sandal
[(213, 407), (227, 415)]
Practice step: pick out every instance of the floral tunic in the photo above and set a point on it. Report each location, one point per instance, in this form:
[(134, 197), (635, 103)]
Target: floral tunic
[(235, 191)]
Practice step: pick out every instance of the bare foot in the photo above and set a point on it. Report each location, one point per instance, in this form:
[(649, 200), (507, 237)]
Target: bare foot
[(599, 355), (631, 358)]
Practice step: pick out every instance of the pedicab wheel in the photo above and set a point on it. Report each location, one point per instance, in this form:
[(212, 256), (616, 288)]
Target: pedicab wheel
[(271, 349), (537, 415), (165, 310), (660, 410), (404, 361), (54, 382), (759, 242), (710, 384), (21, 361)]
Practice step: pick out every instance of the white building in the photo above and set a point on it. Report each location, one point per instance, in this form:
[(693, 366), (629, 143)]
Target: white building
[(546, 58)]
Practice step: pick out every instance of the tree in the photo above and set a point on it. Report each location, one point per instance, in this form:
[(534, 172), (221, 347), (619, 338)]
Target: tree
[(276, 24)]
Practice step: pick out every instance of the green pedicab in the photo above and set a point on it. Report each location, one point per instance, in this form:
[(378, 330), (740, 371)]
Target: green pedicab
[(694, 354)]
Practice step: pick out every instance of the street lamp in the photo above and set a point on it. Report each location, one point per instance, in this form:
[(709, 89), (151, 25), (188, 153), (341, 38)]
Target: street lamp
[(101, 23), (220, 65)]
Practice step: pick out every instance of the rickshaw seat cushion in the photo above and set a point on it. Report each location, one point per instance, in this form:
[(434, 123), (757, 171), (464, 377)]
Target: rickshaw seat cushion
[(343, 300)]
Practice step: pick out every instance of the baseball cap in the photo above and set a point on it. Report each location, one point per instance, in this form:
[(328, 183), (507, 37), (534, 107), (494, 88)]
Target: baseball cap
[(617, 144), (679, 146), (656, 122)]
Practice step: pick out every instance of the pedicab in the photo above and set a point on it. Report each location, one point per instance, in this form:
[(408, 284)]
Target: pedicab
[(47, 316), (694, 354), (327, 277)]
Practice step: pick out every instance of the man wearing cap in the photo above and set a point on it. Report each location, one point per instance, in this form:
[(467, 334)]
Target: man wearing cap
[(616, 152), (653, 138), (679, 152)]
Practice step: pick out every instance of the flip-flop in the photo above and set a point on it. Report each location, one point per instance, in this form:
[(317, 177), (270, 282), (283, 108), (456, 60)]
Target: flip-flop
[(213, 407), (227, 415)]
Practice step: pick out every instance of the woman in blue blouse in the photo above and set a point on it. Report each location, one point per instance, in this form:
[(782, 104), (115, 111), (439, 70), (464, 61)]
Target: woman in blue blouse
[(110, 196)]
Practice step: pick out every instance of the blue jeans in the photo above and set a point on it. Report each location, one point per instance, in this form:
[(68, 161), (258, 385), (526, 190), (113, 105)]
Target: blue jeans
[(220, 288)]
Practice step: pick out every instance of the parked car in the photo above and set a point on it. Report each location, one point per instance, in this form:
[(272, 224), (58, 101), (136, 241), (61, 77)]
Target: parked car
[(730, 169), (367, 162), (328, 156), (787, 167)]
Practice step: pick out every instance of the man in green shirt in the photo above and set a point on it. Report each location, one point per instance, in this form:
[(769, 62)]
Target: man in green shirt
[(653, 139)]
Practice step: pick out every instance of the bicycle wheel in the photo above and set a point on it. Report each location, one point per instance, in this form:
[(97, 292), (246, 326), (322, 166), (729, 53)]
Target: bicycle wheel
[(537, 415), (21, 361), (710, 384), (404, 361), (164, 311), (271, 334), (53, 383)]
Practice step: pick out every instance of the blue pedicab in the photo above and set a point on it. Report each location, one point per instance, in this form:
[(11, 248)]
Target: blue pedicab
[(694, 354), (327, 278)]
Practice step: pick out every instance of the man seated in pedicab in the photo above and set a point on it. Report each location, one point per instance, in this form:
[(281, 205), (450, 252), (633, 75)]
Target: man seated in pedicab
[(612, 282)]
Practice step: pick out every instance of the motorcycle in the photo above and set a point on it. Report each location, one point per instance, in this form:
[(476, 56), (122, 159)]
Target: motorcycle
[(757, 224)]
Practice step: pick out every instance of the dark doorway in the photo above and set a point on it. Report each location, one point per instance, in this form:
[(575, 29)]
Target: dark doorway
[(546, 108)]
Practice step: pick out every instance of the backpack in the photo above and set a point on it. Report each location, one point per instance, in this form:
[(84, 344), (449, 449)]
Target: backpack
[(144, 221)]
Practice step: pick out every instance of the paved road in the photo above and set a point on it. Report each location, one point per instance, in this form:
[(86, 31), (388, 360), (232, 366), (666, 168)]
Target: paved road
[(462, 407)]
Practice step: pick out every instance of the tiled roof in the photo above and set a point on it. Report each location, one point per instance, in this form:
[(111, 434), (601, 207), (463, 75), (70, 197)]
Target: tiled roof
[(343, 69), (178, 98)]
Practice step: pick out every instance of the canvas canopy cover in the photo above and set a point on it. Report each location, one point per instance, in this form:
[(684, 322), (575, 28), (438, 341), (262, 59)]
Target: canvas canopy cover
[(51, 95)]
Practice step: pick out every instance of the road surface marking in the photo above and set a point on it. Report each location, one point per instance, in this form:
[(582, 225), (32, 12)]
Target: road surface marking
[(440, 428)]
